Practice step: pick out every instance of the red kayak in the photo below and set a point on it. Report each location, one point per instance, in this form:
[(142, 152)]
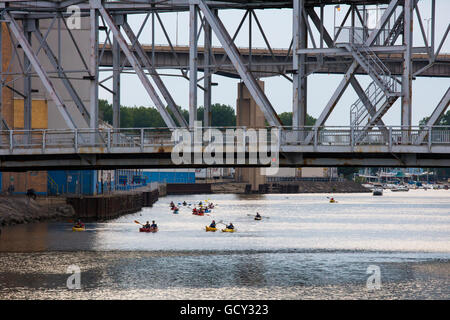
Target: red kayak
[(198, 214), (148, 229)]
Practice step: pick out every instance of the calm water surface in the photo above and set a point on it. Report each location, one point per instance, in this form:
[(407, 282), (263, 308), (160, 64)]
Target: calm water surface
[(304, 248)]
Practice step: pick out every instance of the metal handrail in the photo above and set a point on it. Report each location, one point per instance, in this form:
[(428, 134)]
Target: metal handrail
[(53, 139)]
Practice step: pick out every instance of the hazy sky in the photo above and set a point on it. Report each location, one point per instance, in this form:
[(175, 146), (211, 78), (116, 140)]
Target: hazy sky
[(277, 25)]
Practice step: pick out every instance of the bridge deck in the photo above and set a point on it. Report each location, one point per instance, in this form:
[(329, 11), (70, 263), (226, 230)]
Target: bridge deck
[(153, 148)]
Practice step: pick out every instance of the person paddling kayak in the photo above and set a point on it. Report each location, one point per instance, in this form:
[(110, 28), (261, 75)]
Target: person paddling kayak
[(213, 224), (154, 225), (79, 224), (184, 203), (230, 226), (146, 226)]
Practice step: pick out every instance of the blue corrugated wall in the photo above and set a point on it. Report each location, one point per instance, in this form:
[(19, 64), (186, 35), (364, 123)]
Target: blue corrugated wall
[(81, 181), (169, 177)]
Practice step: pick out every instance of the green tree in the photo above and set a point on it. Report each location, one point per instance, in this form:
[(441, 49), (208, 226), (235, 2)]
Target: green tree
[(286, 119)]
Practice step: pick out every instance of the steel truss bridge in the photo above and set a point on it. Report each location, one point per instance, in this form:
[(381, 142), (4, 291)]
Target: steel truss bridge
[(353, 45)]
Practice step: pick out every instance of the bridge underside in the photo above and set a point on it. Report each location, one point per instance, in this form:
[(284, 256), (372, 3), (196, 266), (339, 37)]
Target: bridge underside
[(439, 157)]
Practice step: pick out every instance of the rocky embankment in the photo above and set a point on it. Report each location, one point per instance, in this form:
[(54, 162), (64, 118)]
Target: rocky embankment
[(18, 209)]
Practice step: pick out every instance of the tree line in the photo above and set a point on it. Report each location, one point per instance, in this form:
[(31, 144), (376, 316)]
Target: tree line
[(147, 117)]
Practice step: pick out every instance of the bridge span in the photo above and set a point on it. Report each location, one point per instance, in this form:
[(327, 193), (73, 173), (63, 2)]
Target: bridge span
[(275, 62), (22, 150)]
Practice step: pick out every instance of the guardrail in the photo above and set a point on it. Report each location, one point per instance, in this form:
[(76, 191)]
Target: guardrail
[(140, 138)]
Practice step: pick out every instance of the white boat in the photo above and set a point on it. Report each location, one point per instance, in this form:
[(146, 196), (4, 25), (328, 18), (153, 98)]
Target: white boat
[(377, 192), (400, 188)]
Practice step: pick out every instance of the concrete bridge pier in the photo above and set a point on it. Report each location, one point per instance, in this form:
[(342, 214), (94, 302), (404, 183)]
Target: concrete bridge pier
[(248, 114)]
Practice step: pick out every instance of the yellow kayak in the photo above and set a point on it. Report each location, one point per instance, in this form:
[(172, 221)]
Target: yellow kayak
[(228, 230), (78, 229), (210, 229)]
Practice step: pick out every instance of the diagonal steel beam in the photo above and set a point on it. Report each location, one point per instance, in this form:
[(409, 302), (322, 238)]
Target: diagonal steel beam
[(439, 110), (56, 64), (154, 74), (435, 116), (134, 63), (233, 53), (19, 35)]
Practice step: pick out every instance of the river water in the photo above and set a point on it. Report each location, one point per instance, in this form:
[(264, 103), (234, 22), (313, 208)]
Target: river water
[(304, 248)]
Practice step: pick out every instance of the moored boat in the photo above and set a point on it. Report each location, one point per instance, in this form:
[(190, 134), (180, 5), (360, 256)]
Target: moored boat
[(377, 192), (400, 188)]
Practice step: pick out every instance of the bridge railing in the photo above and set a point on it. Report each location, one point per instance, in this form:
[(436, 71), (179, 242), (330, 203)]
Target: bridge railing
[(141, 138)]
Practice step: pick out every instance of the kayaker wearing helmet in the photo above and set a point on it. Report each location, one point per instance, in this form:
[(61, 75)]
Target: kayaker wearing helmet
[(213, 224), (146, 226), (230, 226), (154, 226)]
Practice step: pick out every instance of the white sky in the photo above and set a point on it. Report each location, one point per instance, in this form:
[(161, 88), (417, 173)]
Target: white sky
[(277, 25)]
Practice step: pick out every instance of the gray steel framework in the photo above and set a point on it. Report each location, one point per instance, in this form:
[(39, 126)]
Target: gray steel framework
[(353, 43)]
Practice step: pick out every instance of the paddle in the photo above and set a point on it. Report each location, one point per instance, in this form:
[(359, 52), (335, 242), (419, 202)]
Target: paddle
[(135, 221)]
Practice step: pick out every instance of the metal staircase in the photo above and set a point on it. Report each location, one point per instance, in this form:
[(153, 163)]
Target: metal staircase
[(382, 92)]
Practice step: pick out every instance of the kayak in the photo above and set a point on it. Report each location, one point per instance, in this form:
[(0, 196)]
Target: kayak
[(78, 229), (228, 230), (333, 201), (175, 211), (148, 229), (198, 214), (256, 218), (211, 229), (207, 211)]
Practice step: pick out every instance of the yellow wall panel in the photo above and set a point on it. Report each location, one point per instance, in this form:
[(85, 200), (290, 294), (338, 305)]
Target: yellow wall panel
[(39, 114)]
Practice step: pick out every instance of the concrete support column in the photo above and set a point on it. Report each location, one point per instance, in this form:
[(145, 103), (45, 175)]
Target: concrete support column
[(406, 107), (299, 106), (249, 115)]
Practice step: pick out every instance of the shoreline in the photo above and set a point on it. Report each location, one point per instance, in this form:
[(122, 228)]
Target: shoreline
[(19, 209)]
